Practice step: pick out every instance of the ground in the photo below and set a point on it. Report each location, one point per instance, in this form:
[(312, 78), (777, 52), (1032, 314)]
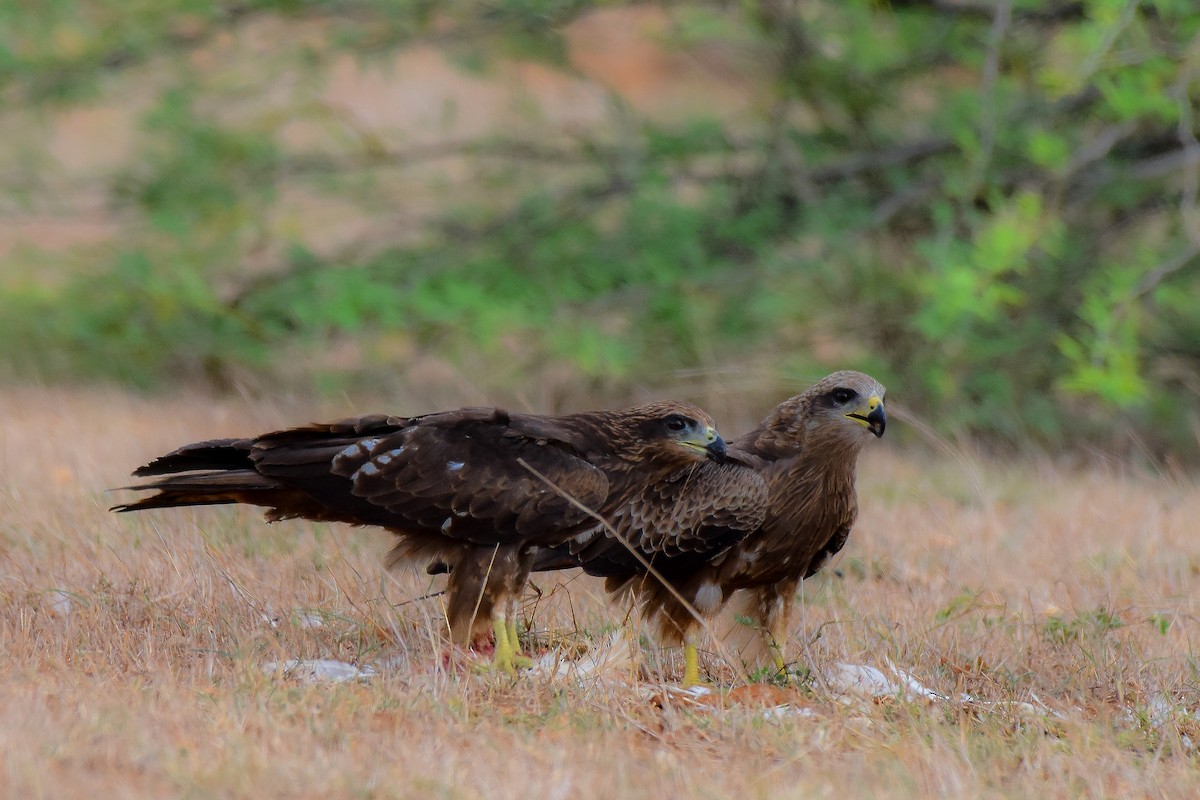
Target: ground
[(1053, 609)]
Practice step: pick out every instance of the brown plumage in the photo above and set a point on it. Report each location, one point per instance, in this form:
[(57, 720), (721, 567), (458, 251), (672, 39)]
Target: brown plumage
[(478, 489), (725, 503), (806, 451)]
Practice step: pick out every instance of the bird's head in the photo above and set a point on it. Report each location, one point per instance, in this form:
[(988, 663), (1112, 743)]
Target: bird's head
[(850, 403), (674, 432)]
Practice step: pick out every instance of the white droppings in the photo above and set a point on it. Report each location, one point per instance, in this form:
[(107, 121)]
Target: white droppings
[(323, 669), (606, 660), (61, 603), (307, 619), (788, 710), (454, 466)]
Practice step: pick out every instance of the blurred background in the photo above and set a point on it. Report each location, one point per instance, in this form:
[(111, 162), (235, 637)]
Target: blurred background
[(991, 205)]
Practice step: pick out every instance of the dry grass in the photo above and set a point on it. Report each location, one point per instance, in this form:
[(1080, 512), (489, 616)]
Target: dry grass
[(134, 645)]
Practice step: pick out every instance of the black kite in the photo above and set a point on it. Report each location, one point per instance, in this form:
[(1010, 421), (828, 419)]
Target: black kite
[(806, 451), (478, 489)]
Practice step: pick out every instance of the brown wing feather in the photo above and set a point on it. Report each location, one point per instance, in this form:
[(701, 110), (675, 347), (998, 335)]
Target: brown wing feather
[(466, 481), (702, 511), (684, 519), (455, 474)]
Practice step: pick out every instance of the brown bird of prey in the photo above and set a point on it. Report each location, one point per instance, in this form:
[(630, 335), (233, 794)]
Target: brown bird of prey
[(806, 451), (478, 489)]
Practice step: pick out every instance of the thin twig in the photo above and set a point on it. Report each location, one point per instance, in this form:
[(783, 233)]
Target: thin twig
[(1092, 64)]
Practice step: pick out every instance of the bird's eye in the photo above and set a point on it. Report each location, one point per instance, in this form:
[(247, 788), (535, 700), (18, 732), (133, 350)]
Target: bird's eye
[(842, 395), (676, 423)]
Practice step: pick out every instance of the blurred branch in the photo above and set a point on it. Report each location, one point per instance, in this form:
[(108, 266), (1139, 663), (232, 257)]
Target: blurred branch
[(1188, 212), (902, 154), (1147, 169), (1051, 13), (1162, 166), (899, 202), (374, 158), (1113, 155), (383, 24), (1100, 146), (1151, 280), (179, 38), (990, 115), (1154, 277), (568, 202)]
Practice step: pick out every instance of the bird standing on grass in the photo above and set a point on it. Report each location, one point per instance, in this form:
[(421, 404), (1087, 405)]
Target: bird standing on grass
[(478, 489), (805, 451)]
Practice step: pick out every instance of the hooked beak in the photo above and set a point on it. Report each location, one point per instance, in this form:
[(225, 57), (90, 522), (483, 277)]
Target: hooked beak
[(708, 442), (871, 416), (716, 447)]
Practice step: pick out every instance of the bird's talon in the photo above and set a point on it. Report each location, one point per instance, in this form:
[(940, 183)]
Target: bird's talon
[(495, 666)]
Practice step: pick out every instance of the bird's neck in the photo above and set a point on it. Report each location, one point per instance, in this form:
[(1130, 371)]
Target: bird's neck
[(780, 435), (791, 452)]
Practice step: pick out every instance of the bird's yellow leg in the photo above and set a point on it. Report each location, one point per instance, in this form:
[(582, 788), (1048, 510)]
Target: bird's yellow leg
[(691, 666), (775, 625), (514, 642), (513, 639), (776, 650), (506, 658), (777, 658), (502, 660)]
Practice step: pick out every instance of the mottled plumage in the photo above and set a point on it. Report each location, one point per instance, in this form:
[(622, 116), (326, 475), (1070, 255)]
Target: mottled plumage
[(805, 451), (477, 489), (724, 503)]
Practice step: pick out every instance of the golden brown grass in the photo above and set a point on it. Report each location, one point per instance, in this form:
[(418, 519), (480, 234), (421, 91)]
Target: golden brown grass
[(134, 645)]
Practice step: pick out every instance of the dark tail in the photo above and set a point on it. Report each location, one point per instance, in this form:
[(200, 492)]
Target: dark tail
[(215, 454), (217, 471), (293, 473)]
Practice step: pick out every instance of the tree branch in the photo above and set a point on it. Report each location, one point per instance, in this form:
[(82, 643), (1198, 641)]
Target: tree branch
[(1052, 13), (989, 114), (901, 154)]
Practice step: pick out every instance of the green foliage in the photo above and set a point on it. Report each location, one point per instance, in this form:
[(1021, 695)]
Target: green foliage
[(1087, 624), (199, 175), (998, 216), (963, 603)]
